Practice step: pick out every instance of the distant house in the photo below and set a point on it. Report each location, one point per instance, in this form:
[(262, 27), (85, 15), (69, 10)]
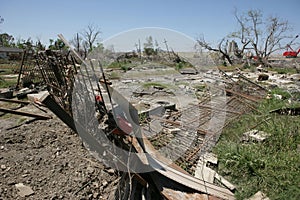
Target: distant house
[(10, 52)]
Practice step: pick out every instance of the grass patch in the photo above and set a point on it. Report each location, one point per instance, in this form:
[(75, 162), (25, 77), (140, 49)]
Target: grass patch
[(114, 75), (200, 87), (272, 166), (154, 84), (183, 65), (120, 65), (231, 68), (281, 70), (7, 83)]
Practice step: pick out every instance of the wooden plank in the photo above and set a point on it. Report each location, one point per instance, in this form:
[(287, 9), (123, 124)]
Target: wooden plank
[(224, 182)]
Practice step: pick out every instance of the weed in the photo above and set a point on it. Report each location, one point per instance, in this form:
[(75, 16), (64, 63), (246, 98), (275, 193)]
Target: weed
[(143, 118), (119, 65), (114, 75), (179, 66), (281, 70), (272, 166), (6, 83)]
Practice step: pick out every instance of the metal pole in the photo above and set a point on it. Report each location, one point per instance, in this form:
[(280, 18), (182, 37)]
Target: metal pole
[(21, 68)]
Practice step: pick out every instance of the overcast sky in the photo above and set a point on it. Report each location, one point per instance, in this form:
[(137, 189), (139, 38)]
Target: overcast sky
[(214, 19)]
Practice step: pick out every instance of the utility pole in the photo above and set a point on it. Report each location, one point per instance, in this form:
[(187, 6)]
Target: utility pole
[(140, 51), (165, 41)]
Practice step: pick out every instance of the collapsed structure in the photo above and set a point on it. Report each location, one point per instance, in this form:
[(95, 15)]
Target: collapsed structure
[(165, 163)]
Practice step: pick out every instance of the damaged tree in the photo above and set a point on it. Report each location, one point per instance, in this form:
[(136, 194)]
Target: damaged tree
[(222, 49), (84, 42), (263, 36), (90, 36)]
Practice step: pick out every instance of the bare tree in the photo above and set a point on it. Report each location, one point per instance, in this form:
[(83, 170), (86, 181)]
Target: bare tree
[(263, 35), (84, 42), (90, 36), (222, 48)]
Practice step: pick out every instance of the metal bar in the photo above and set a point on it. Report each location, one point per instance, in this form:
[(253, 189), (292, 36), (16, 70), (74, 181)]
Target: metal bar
[(24, 113), (98, 86), (14, 101), (242, 95), (21, 68), (107, 89), (245, 78)]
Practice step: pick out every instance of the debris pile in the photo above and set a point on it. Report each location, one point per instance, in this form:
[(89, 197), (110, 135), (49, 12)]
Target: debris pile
[(99, 114), (176, 138)]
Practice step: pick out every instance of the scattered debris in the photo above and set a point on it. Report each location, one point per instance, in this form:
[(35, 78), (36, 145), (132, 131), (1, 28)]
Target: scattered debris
[(263, 77), (6, 93), (255, 135), (277, 96), (241, 99), (24, 191), (210, 158), (111, 171), (21, 94), (259, 196), (205, 173), (190, 71), (175, 194), (287, 111), (59, 71), (295, 77), (260, 68)]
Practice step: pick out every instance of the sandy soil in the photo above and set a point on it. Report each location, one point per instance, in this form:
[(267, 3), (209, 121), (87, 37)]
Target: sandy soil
[(48, 157)]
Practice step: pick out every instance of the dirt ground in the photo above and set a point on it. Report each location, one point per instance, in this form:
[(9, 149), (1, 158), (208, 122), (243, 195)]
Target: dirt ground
[(48, 157)]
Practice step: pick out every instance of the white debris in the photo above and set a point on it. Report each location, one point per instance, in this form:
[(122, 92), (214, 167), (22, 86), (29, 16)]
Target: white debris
[(24, 190), (111, 171), (211, 158), (204, 173), (173, 131), (277, 96), (259, 196), (255, 135)]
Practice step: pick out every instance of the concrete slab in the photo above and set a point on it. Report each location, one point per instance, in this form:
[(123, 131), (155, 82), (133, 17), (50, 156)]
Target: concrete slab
[(38, 97)]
